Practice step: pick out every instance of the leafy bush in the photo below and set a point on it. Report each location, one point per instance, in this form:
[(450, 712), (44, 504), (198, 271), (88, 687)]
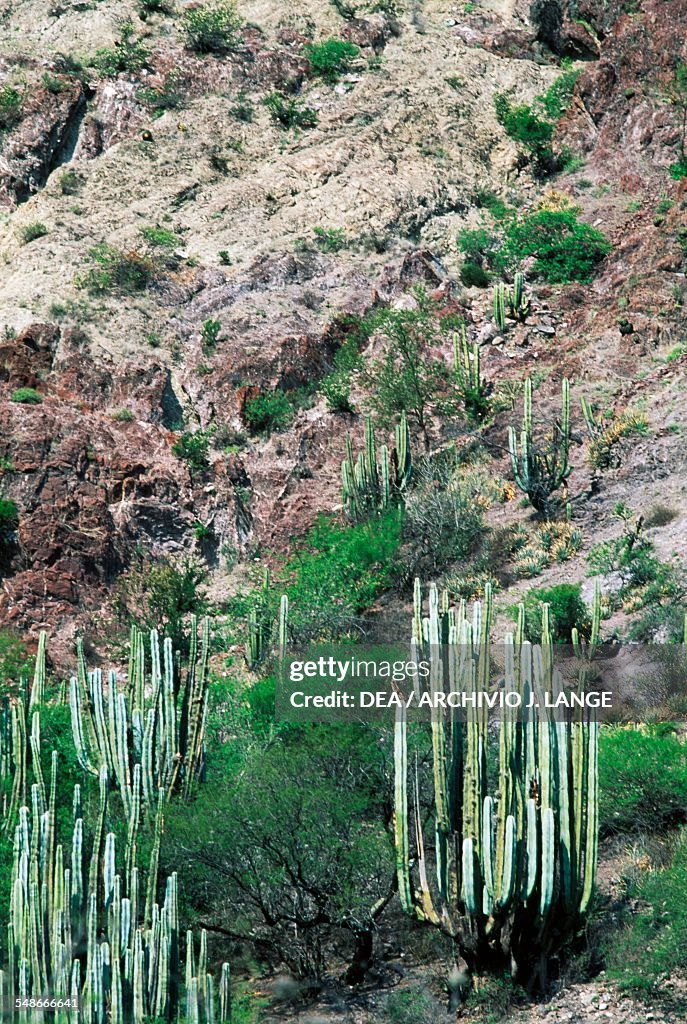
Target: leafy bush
[(209, 335), (288, 112), (268, 412), (338, 571), (478, 245), (330, 239), (14, 658), (193, 448), (161, 595), (212, 29), (331, 57), (412, 1006), (128, 54), (26, 396), (566, 611), (523, 125), (10, 105), (115, 270), (564, 249), (558, 97), (123, 416), (652, 946), (642, 780), (336, 388), (160, 238), (70, 183), (444, 519), (472, 275), (33, 231), (9, 519), (678, 170)]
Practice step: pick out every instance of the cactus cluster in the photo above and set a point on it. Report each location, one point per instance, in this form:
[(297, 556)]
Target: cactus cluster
[(370, 486), (540, 468), (474, 389), (509, 302), (85, 933), (514, 871), (157, 721)]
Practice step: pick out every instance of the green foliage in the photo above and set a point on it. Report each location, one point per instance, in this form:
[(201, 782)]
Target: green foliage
[(33, 231), (193, 447), (336, 385), (212, 29), (567, 610), (160, 238), (558, 97), (678, 170), (128, 54), (296, 837), (338, 571), (162, 595), (523, 125), (14, 658), (564, 249), (288, 112), (161, 98), (642, 780), (652, 946), (209, 335), (472, 275), (10, 106), (406, 379), (336, 388), (269, 412), (331, 57), (411, 1006), (26, 396), (116, 271), (330, 239), (9, 520), (478, 245), (70, 183), (123, 416)]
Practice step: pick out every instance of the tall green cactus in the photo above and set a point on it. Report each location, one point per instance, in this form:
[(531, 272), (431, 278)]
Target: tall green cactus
[(539, 468), (514, 870), (157, 722), (474, 389), (509, 302), (88, 943), (259, 626), (369, 486)]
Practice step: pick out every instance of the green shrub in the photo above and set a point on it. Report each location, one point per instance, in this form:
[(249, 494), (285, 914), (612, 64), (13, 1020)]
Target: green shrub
[(212, 29), (411, 1006), (123, 416), (474, 276), (268, 412), (330, 239), (564, 249), (288, 112), (336, 388), (566, 611), (678, 170), (558, 97), (70, 183), (33, 231), (26, 396), (209, 335), (523, 125), (652, 945), (14, 658), (478, 245), (114, 270), (193, 448), (331, 57), (642, 780), (160, 238), (9, 518), (10, 106), (128, 54)]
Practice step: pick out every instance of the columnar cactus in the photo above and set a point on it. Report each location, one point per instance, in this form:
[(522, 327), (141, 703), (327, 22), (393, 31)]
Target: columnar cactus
[(500, 300), (77, 935), (510, 302), (369, 486), (474, 388), (515, 869), (259, 626), (157, 722), (540, 468)]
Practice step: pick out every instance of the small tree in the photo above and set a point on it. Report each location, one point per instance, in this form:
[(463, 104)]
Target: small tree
[(406, 379)]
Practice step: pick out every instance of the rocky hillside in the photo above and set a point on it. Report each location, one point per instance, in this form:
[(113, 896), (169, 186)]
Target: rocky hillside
[(148, 191)]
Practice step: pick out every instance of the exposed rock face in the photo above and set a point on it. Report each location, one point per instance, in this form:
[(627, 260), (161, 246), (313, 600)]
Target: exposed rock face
[(403, 150)]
